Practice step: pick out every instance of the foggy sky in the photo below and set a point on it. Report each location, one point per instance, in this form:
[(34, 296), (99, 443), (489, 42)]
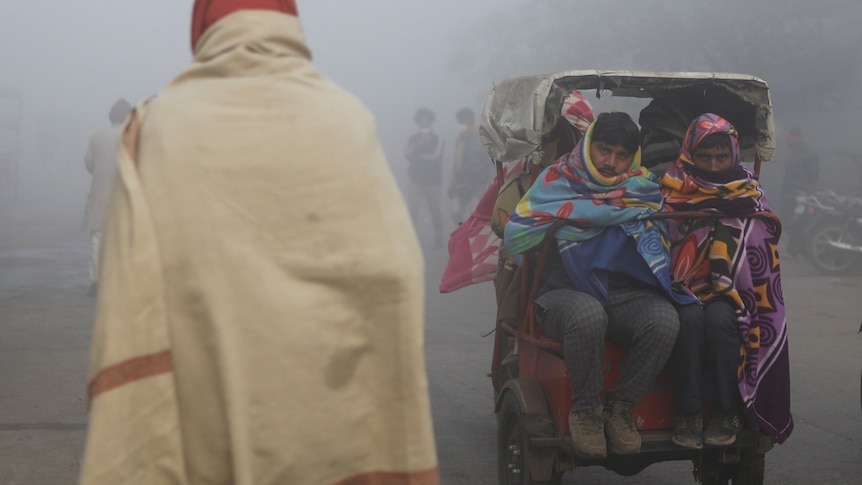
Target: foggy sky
[(71, 60)]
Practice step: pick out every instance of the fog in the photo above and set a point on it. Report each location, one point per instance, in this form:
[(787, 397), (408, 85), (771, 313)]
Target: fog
[(69, 61), (64, 63)]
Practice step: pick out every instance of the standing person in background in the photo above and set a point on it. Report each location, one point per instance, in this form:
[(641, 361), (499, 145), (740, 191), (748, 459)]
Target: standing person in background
[(424, 154), (473, 168), (801, 174), (101, 162), (260, 320)]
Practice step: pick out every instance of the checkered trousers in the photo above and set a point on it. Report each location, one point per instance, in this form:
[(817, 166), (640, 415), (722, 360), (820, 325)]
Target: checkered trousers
[(639, 318)]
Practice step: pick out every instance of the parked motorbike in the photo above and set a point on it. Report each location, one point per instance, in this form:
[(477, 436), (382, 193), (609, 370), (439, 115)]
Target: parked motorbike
[(828, 229)]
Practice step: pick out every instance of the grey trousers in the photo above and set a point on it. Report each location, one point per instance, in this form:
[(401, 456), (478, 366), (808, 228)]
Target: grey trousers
[(639, 318), (430, 194)]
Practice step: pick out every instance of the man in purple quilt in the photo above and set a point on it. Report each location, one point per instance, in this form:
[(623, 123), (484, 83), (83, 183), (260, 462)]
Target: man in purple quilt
[(735, 338)]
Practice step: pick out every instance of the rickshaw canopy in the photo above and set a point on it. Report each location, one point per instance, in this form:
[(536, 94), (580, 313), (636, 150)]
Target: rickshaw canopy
[(521, 111)]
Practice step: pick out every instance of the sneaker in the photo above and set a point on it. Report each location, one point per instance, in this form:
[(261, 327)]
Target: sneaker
[(688, 431), (722, 429), (623, 438), (588, 435)]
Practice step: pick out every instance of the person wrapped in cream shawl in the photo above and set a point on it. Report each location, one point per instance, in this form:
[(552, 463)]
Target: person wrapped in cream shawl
[(261, 307)]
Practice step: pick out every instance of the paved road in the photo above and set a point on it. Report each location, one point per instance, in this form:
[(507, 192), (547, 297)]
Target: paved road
[(45, 322), (826, 361)]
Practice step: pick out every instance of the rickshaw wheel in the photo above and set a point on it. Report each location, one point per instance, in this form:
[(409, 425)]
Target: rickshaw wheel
[(826, 258), (751, 469), (513, 446)]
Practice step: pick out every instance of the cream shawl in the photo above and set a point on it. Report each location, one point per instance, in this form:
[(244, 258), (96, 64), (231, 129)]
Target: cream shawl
[(261, 302)]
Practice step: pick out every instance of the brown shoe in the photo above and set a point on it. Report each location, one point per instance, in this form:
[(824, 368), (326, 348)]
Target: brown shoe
[(722, 429), (623, 438), (688, 431), (588, 435)]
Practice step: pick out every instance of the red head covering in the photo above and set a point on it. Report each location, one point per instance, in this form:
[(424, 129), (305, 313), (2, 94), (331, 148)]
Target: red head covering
[(578, 111), (208, 12)]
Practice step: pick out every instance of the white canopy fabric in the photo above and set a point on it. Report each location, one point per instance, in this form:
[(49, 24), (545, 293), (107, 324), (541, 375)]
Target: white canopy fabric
[(520, 111)]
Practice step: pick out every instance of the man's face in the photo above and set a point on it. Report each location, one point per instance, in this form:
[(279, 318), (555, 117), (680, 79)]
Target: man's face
[(715, 159), (610, 160)]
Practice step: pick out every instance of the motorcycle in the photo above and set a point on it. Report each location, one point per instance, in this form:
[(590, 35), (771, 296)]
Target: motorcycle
[(828, 227)]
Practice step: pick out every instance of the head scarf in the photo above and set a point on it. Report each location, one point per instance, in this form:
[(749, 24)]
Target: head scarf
[(733, 191), (735, 260), (208, 12), (578, 111), (703, 126), (574, 190)]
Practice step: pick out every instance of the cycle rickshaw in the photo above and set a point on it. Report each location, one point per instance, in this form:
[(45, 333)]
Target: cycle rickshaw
[(522, 129)]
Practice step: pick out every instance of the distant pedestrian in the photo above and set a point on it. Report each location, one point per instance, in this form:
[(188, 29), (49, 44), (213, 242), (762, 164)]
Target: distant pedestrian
[(101, 162), (473, 169), (801, 176), (424, 154)]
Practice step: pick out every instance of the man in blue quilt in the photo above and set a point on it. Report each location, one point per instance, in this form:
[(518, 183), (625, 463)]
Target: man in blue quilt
[(609, 278)]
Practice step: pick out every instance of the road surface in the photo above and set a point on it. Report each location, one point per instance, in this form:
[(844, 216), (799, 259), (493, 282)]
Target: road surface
[(46, 320)]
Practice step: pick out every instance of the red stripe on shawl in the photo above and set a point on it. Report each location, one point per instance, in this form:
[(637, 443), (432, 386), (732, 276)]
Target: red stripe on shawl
[(428, 477), (132, 370), (208, 12)]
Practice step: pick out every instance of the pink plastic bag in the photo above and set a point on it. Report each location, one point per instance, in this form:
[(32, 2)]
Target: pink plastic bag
[(473, 247)]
